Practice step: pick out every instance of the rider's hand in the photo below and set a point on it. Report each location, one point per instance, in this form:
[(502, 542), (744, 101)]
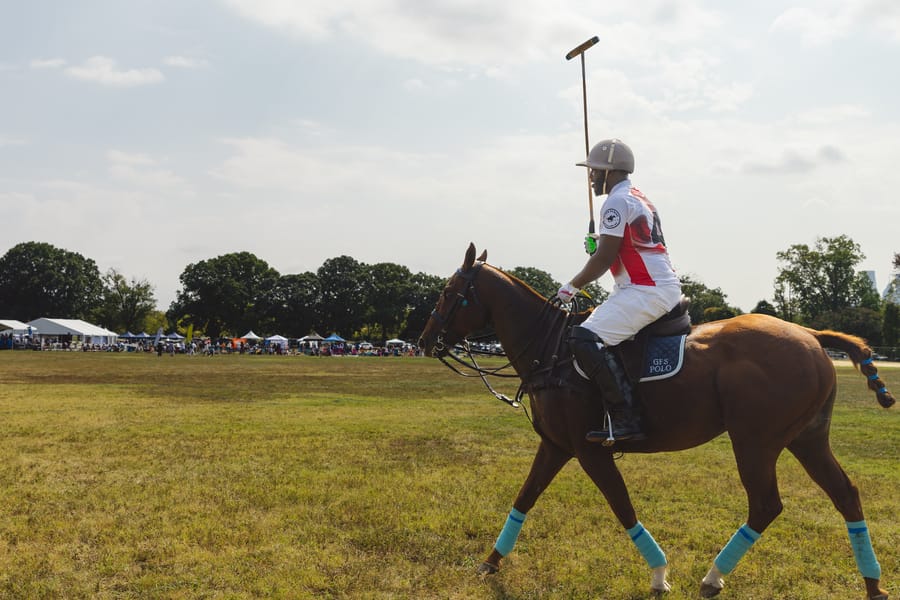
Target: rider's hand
[(590, 243), (566, 293)]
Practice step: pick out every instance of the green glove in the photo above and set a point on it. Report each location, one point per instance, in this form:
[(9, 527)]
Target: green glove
[(590, 243)]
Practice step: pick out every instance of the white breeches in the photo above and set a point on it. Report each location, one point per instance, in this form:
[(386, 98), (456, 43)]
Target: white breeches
[(629, 309)]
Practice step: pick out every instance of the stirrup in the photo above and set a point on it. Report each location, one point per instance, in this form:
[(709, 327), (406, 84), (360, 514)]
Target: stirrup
[(607, 438)]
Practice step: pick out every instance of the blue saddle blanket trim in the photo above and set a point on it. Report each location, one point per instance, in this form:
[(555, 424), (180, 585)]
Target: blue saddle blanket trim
[(663, 358)]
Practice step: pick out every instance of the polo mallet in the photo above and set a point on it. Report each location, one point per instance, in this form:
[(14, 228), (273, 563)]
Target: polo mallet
[(579, 51)]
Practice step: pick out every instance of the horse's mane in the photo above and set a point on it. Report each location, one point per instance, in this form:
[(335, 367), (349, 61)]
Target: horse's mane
[(578, 317), (515, 280)]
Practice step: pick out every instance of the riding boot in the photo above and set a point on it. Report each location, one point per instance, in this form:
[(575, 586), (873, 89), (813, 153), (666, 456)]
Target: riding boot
[(594, 360)]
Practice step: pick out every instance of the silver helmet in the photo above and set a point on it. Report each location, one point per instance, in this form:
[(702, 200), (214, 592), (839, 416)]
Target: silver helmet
[(610, 155)]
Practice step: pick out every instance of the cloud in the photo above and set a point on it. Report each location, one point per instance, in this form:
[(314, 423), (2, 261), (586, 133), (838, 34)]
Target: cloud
[(47, 63), (797, 162), (825, 24), (184, 62), (141, 170), (829, 115), (103, 70), (11, 141), (485, 36)]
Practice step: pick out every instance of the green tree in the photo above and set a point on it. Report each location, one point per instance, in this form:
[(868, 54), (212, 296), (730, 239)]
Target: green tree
[(541, 281), (861, 321), (544, 284), (389, 297), (765, 307), (125, 304), (707, 304), (424, 293), (890, 326), (157, 319), (40, 280), (820, 279), (295, 304), (344, 285), (227, 294)]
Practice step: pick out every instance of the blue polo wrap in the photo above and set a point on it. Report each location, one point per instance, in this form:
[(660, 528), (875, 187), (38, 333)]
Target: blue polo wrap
[(647, 546), (862, 549), (510, 532), (735, 549)]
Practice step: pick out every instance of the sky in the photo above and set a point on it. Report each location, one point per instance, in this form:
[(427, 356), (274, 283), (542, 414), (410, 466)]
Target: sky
[(150, 135)]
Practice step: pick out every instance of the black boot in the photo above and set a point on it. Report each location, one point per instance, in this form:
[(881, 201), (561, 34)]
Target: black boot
[(623, 423)]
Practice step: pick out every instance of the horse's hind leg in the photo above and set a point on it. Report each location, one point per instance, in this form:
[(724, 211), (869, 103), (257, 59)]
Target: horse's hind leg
[(547, 463), (756, 467), (814, 453)]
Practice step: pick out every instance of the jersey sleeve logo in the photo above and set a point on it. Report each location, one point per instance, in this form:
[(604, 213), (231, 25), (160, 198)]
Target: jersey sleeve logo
[(611, 218)]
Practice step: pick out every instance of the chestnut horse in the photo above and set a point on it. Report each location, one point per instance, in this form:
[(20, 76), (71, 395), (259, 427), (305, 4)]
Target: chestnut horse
[(768, 383)]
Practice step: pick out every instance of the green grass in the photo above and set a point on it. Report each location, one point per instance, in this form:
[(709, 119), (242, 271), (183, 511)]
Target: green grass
[(126, 476)]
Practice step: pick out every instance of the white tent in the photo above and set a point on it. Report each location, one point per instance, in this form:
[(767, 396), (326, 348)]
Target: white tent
[(251, 336), (395, 342), (277, 340), (84, 331), (15, 327)]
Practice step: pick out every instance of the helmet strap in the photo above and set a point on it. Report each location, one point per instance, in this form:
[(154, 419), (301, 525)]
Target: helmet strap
[(603, 189)]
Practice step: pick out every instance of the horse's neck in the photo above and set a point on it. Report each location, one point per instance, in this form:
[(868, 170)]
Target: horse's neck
[(522, 321)]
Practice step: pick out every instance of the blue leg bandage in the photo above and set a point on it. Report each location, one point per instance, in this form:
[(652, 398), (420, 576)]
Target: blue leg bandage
[(510, 532), (735, 549), (647, 546), (862, 550)]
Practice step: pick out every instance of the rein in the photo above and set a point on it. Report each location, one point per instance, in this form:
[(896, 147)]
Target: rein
[(472, 365)]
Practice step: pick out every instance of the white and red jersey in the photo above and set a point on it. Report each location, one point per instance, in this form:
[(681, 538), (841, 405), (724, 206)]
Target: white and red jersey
[(643, 258)]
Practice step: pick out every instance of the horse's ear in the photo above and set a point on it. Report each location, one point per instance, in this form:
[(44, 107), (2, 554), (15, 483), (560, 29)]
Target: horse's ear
[(470, 257), (483, 257)]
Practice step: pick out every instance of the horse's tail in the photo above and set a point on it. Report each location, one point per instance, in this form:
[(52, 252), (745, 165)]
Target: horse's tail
[(861, 355)]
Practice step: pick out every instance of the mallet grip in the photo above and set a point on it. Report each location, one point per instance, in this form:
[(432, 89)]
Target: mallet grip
[(580, 49)]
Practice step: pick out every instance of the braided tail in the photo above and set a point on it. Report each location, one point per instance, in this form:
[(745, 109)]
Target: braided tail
[(861, 355)]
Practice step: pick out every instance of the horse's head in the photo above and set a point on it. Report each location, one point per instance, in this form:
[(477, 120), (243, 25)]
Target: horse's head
[(458, 311)]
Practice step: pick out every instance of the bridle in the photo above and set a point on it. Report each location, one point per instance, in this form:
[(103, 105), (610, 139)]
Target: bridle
[(462, 300)]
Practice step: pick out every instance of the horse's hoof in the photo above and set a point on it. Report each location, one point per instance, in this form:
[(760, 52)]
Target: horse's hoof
[(486, 568), (709, 591)]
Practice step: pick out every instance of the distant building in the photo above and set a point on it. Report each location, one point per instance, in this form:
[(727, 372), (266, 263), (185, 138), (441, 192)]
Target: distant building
[(892, 291), (871, 276)]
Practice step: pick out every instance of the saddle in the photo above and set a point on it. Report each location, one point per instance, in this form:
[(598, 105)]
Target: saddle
[(631, 353)]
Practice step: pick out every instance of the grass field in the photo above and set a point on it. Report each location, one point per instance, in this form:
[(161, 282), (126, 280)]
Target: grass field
[(125, 476)]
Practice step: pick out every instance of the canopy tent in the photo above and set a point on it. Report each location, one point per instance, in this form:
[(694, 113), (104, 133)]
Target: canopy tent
[(334, 338), (127, 336), (251, 336), (86, 332), (395, 342), (174, 336), (277, 340), (313, 337), (15, 327)]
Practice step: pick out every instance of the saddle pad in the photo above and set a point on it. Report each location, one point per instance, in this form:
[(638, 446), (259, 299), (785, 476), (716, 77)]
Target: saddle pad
[(663, 358)]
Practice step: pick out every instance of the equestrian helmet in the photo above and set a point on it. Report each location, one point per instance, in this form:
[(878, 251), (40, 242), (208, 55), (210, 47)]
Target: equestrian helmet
[(610, 155)]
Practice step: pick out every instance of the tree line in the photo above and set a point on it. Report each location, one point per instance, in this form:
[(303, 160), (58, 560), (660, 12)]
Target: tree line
[(230, 294)]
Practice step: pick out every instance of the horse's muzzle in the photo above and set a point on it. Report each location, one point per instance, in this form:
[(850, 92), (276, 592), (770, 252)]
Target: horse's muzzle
[(434, 347)]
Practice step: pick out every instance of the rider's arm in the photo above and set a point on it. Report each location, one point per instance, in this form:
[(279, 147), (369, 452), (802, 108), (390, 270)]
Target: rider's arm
[(600, 262)]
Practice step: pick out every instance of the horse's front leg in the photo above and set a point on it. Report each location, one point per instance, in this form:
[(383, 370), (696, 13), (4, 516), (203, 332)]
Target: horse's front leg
[(601, 468), (547, 463)]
